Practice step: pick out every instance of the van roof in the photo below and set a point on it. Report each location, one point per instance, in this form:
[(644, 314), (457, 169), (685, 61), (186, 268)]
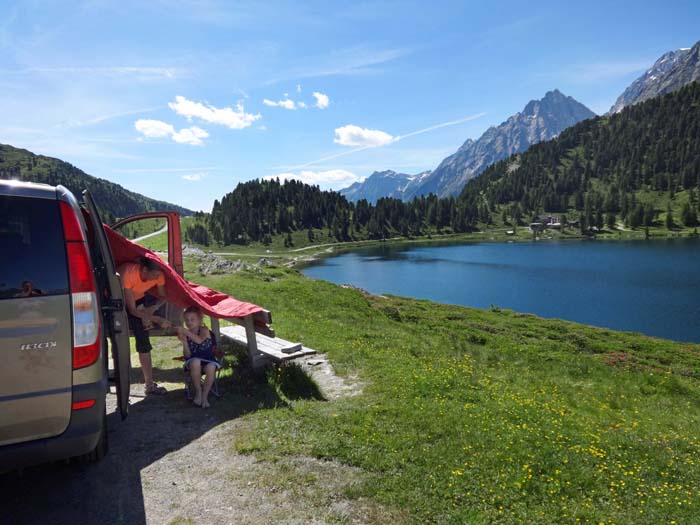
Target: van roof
[(19, 188)]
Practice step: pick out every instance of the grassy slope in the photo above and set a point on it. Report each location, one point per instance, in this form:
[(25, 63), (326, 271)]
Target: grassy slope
[(471, 416)]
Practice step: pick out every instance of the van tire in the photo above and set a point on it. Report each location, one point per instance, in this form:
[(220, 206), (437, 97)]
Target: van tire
[(100, 449)]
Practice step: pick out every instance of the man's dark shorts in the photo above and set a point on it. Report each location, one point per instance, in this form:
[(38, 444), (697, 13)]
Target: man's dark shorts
[(143, 341)]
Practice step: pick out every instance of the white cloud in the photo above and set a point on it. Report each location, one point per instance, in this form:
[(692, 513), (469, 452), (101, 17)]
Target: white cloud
[(322, 101), (330, 179), (159, 129), (234, 119), (154, 128), (287, 103), (192, 135), (194, 177), (352, 135)]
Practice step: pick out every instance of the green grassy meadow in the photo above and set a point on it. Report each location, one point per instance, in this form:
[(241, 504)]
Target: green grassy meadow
[(473, 416)]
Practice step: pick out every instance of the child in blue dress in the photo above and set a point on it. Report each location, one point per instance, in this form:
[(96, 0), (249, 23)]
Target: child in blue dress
[(198, 347)]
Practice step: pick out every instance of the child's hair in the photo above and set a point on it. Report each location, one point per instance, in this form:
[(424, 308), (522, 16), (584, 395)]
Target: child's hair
[(193, 310), (200, 314)]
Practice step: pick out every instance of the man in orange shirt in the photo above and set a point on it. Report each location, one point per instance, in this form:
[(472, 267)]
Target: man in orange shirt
[(138, 278)]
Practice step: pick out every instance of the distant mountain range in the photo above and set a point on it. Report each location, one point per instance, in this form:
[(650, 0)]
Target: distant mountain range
[(633, 165), (540, 120), (385, 184), (669, 73), (113, 200)]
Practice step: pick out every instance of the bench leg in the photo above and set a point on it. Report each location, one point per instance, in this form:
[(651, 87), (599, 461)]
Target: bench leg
[(257, 360), (215, 328)]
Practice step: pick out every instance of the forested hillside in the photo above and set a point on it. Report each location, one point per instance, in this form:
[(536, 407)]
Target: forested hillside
[(630, 166), (113, 200), (257, 210)]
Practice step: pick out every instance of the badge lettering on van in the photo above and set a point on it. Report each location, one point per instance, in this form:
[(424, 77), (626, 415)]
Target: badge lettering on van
[(38, 346)]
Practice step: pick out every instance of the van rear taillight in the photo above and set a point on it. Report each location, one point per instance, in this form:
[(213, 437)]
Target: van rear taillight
[(71, 225), (80, 268), (86, 327)]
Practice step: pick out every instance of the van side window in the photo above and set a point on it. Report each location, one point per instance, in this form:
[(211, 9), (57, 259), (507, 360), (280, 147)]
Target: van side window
[(32, 249)]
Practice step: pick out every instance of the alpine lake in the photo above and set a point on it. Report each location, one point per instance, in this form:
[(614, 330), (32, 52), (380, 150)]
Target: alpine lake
[(651, 287)]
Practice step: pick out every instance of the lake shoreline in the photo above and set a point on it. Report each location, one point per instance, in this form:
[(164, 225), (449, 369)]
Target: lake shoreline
[(619, 286), (335, 249)]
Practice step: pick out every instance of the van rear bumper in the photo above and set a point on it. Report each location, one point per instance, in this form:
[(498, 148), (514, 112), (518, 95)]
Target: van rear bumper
[(80, 437)]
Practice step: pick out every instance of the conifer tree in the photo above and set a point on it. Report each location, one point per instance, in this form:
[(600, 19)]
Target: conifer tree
[(610, 220)]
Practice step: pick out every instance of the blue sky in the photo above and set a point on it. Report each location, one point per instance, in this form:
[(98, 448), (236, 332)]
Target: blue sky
[(181, 100)]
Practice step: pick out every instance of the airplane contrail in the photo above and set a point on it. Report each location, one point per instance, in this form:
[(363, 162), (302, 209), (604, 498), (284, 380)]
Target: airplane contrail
[(438, 126), (398, 138), (335, 156)]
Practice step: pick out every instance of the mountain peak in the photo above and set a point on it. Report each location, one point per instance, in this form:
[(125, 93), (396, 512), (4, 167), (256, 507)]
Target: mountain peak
[(540, 120), (387, 183), (553, 94), (388, 173), (671, 71), (551, 99)]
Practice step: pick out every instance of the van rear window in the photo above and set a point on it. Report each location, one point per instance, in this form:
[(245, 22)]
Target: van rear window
[(32, 249)]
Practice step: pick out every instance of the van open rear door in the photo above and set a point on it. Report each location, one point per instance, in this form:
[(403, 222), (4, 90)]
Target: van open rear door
[(113, 306), (172, 231)]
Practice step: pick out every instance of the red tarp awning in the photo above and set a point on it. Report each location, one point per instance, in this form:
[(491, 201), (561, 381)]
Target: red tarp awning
[(178, 291)]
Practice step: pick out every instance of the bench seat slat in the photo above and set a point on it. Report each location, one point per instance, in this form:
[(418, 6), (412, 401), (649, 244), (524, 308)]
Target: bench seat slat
[(276, 349)]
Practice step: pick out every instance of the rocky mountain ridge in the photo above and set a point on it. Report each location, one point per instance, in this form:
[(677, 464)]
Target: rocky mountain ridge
[(539, 120), (670, 72)]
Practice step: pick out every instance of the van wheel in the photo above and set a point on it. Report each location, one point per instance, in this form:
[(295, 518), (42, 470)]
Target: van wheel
[(100, 449)]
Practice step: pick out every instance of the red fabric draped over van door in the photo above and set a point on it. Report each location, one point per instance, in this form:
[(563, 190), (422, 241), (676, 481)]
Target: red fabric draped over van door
[(177, 290)]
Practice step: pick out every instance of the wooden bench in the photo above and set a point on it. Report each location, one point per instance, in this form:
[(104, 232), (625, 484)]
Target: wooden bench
[(263, 347)]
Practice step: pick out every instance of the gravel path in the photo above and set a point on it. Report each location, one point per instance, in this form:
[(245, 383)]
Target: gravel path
[(171, 463), (153, 234)]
